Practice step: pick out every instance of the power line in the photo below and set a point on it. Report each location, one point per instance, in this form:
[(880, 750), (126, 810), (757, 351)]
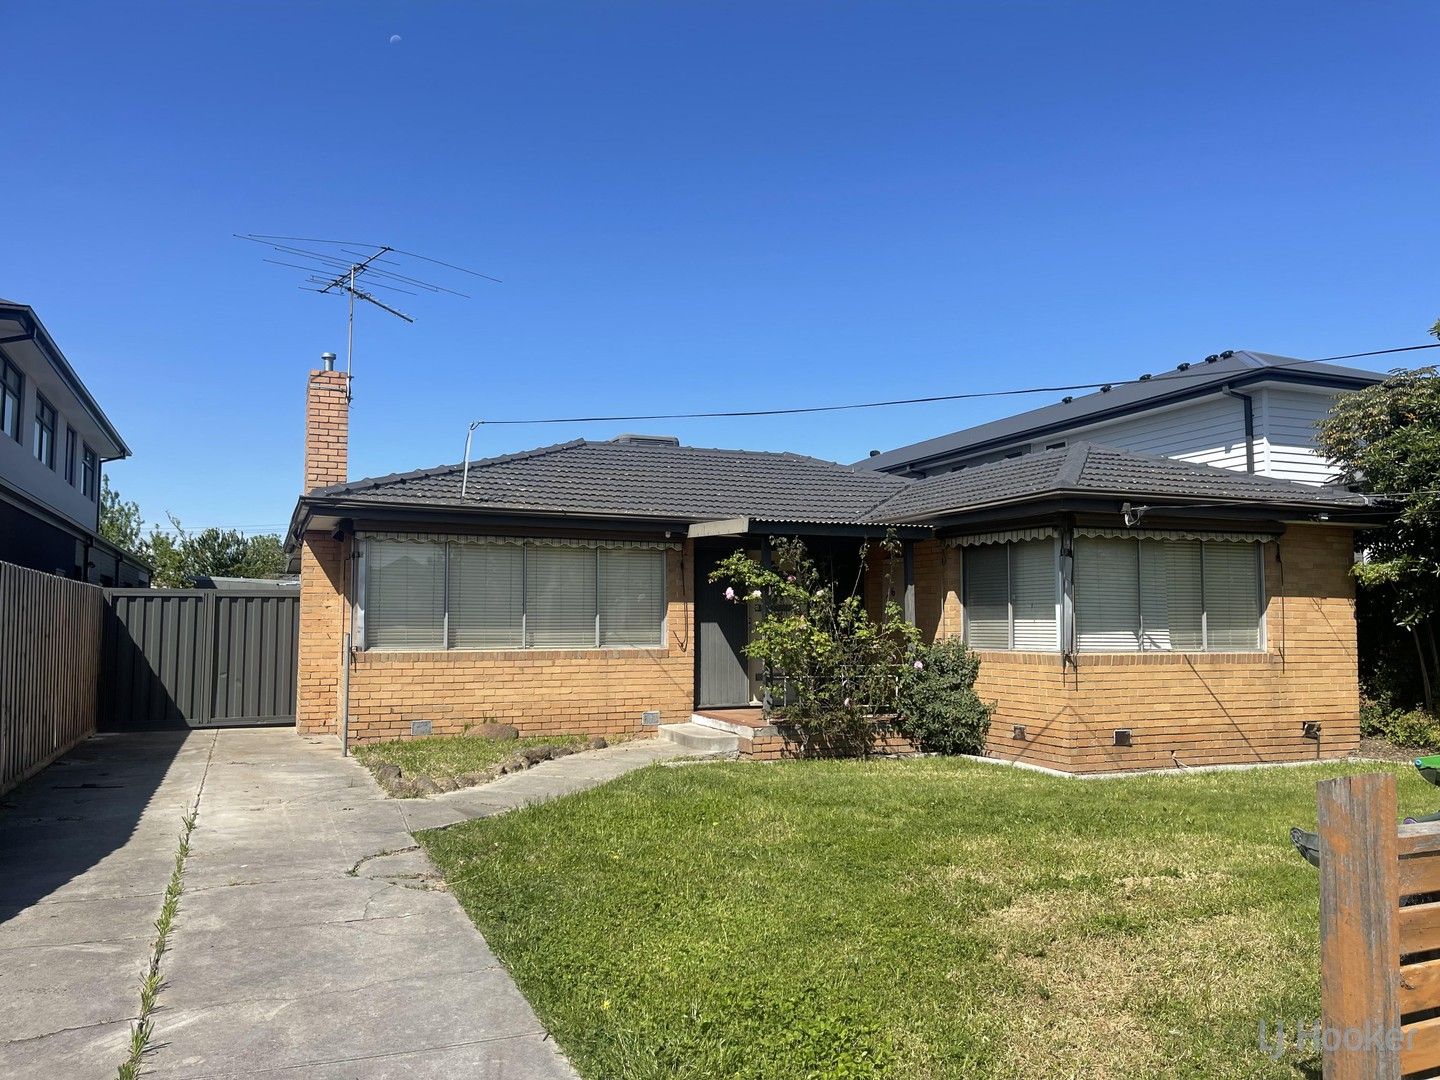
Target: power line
[(738, 413)]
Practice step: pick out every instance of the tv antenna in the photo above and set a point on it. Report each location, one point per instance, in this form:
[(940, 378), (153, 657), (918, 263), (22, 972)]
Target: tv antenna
[(353, 269)]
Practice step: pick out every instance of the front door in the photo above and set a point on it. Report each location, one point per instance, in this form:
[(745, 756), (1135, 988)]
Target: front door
[(720, 677)]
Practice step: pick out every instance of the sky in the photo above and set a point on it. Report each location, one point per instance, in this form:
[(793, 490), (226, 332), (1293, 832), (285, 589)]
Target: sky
[(697, 206)]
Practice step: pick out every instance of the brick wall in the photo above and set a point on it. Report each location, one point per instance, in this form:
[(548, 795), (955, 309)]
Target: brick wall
[(324, 615), (540, 691), (1197, 709), (327, 429)]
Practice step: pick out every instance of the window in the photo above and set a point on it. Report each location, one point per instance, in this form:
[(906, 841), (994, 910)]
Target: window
[(12, 386), (405, 596), (89, 474), (1011, 593), (44, 432), (70, 440), (486, 595), (1166, 595)]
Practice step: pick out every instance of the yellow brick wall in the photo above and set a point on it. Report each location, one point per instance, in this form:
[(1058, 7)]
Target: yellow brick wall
[(323, 618), (540, 691), (1197, 708)]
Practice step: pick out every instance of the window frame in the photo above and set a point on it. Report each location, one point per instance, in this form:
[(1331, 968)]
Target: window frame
[(1059, 592), (359, 620), (1261, 638), (72, 443), (42, 407), (9, 373), (89, 472)]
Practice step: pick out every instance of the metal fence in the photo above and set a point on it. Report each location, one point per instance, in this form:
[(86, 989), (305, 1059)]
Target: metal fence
[(49, 668), (199, 657)]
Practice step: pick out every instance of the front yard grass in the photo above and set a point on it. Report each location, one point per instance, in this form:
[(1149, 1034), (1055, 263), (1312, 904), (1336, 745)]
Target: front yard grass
[(908, 919)]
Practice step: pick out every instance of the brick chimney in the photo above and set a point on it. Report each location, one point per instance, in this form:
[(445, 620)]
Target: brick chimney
[(327, 427)]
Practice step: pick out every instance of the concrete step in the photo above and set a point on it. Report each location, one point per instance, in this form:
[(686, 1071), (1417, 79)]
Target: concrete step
[(745, 731), (702, 740)]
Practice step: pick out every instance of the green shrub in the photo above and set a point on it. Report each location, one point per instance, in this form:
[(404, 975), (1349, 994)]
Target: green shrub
[(1413, 728), (939, 709)]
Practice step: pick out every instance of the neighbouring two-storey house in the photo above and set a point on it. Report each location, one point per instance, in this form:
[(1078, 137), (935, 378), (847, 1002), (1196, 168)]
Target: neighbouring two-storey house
[(54, 442), (1248, 411), (1132, 609)]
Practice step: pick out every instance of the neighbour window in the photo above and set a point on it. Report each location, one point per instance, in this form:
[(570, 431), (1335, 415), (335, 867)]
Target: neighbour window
[(89, 474), (1011, 593), (12, 384), (478, 595), (44, 432), (1168, 595), (70, 440)]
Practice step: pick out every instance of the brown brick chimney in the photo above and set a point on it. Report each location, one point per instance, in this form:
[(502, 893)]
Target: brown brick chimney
[(327, 428)]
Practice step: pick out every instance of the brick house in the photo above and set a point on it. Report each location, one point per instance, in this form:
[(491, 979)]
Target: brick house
[(1131, 611)]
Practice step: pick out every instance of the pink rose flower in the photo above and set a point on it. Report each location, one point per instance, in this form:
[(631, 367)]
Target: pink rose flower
[(919, 665), (729, 593)]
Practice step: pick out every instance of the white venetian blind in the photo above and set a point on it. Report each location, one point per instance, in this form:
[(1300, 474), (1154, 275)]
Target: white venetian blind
[(487, 589), (1034, 582), (632, 597), (1170, 595), (1232, 596), (987, 597), (404, 595), (560, 598), (1107, 595)]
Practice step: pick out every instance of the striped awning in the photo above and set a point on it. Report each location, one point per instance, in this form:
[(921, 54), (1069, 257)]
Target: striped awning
[(1039, 532), (533, 541)]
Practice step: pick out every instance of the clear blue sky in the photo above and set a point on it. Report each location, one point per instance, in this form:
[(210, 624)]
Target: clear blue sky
[(698, 206)]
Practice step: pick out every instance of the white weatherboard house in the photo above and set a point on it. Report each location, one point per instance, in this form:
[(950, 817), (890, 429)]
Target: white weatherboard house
[(1248, 411)]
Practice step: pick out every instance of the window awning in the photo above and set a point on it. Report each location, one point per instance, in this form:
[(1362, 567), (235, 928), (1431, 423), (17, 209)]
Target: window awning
[(1175, 534), (1005, 536), (534, 541)]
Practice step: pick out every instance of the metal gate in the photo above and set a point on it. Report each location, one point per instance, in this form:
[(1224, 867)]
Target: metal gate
[(198, 657)]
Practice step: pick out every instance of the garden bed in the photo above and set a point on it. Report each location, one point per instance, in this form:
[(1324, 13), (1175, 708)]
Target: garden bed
[(922, 918), (410, 768)]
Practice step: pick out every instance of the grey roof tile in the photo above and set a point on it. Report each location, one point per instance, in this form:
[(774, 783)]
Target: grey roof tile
[(612, 478), (1086, 469), (687, 483)]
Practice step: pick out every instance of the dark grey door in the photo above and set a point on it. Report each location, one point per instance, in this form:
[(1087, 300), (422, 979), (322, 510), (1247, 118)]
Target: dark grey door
[(720, 677)]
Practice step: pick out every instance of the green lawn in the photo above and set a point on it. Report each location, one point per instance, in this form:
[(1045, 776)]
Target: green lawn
[(450, 755), (908, 919)]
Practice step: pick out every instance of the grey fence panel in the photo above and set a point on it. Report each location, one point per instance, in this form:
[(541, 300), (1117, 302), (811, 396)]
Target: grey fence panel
[(49, 668), (199, 657)]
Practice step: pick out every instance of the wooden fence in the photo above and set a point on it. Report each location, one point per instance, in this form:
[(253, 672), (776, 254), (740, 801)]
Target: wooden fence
[(1379, 934), (49, 668)]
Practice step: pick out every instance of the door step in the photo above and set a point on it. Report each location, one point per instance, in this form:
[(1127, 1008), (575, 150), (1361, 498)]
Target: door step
[(735, 727), (703, 740)]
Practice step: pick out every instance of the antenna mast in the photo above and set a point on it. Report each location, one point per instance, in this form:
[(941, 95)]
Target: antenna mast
[(336, 267)]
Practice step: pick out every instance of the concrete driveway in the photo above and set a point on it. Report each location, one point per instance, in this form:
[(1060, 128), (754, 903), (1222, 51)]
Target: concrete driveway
[(311, 939)]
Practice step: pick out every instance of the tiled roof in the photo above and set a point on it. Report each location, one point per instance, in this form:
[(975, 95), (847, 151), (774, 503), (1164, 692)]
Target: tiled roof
[(1086, 469), (691, 484), (684, 483), (1187, 380)]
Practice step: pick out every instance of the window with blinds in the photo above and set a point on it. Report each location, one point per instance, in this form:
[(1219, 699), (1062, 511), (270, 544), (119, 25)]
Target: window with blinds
[(1166, 595), (560, 598), (1010, 596), (405, 595), (472, 595), (632, 598), (486, 601)]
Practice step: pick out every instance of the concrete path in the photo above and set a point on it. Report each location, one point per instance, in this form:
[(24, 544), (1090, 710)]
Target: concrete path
[(313, 937)]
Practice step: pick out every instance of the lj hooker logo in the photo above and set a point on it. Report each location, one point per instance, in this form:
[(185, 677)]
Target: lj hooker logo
[(1318, 1038)]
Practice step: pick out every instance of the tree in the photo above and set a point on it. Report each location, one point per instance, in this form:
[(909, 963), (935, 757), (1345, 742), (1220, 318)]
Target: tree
[(1386, 438), (180, 556), (120, 520)]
